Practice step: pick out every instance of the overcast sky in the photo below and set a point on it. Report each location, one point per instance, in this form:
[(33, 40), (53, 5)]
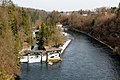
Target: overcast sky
[(66, 5)]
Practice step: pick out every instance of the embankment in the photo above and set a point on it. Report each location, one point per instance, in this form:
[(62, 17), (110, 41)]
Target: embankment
[(102, 42)]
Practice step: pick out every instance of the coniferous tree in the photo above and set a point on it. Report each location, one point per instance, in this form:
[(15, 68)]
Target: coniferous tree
[(12, 19), (26, 26), (42, 38), (25, 22)]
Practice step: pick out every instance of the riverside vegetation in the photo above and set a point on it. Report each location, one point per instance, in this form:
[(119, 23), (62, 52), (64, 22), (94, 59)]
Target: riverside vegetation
[(105, 26)]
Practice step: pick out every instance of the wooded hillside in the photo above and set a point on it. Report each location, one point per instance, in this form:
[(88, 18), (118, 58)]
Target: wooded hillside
[(102, 23), (15, 28), (16, 25)]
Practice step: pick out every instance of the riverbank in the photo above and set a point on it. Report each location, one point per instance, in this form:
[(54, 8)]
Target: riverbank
[(113, 49)]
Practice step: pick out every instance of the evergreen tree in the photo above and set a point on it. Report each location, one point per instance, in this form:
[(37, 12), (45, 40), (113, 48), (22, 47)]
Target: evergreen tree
[(12, 19), (25, 22), (42, 38)]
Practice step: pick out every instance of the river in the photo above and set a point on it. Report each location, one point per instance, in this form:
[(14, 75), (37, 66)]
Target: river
[(84, 59)]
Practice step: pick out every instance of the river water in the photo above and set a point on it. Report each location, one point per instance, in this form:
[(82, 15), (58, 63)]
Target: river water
[(84, 59)]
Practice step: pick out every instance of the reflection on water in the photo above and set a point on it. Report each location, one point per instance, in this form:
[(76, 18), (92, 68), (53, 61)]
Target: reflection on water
[(84, 59)]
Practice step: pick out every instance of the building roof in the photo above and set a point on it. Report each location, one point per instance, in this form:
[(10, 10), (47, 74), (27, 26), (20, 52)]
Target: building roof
[(25, 52)]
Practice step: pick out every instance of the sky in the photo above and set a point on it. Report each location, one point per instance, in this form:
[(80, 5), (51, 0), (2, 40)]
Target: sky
[(66, 5)]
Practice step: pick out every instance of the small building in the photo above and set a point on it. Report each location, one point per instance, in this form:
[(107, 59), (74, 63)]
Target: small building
[(84, 14), (59, 25)]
